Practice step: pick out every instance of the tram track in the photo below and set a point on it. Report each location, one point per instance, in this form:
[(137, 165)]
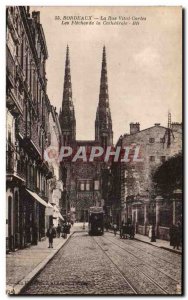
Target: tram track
[(136, 269), (154, 255), (175, 264), (119, 270), (138, 258)]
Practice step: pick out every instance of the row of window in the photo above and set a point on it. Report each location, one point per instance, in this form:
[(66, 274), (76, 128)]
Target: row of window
[(152, 140), (88, 186), (153, 158), (36, 180)]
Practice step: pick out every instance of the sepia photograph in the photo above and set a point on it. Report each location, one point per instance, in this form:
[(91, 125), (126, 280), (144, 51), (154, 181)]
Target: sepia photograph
[(94, 151)]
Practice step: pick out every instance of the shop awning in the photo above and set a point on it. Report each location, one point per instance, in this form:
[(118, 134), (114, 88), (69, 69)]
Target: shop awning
[(39, 199), (61, 217), (56, 213)]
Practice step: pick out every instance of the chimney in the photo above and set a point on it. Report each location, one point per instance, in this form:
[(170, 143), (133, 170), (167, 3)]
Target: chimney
[(27, 11), (157, 124), (36, 16), (134, 128)]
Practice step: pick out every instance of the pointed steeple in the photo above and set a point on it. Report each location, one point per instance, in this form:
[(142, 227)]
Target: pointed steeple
[(103, 96), (103, 123), (67, 117), (67, 91)]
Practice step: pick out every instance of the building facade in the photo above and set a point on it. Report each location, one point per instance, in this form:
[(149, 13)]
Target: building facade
[(134, 194), (83, 183), (28, 109), (55, 184)]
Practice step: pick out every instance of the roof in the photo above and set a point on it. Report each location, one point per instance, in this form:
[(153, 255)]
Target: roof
[(127, 135), (87, 143)]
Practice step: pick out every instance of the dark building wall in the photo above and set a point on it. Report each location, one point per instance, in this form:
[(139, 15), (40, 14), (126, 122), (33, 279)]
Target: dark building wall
[(28, 107)]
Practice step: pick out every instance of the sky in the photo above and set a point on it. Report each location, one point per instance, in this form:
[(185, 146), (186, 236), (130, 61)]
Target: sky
[(144, 64)]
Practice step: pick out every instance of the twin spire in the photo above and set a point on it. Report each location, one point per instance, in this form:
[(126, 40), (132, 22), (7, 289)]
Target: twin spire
[(103, 123)]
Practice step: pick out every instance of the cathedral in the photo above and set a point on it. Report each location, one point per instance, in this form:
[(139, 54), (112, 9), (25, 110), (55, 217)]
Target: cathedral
[(85, 183)]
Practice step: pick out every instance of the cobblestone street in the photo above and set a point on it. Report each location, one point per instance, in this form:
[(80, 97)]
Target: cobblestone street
[(108, 265)]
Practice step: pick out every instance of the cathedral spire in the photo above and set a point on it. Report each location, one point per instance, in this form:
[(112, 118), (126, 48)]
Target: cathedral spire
[(67, 91), (103, 96), (103, 123), (67, 117)]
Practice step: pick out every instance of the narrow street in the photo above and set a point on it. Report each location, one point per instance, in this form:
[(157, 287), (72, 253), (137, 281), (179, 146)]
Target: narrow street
[(108, 265)]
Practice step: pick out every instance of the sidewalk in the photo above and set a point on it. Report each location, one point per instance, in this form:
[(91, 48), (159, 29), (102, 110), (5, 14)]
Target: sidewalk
[(23, 265), (159, 243)]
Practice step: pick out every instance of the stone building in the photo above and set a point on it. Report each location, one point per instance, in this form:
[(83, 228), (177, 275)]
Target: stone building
[(83, 184), (55, 184), (133, 196), (28, 109)]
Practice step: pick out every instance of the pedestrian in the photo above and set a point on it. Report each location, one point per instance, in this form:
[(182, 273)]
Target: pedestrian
[(64, 230), (121, 230), (35, 234), (115, 229), (132, 231), (175, 235), (58, 230), (68, 228), (179, 235), (152, 233), (106, 225), (172, 234), (50, 234)]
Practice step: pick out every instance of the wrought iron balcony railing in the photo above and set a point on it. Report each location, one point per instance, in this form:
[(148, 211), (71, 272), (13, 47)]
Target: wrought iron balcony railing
[(10, 66), (14, 166)]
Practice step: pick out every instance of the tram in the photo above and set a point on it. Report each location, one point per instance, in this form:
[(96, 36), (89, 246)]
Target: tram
[(96, 221)]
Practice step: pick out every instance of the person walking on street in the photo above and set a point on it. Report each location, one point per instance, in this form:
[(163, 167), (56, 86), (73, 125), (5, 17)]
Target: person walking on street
[(58, 230), (121, 230), (179, 235), (64, 230), (50, 234), (115, 229)]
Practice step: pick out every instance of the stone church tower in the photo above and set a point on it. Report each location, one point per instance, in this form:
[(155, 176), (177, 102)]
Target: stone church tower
[(103, 122), (67, 116), (84, 182)]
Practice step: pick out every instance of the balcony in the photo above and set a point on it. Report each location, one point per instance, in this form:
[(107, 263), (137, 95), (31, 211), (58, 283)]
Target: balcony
[(11, 67), (14, 97), (14, 166), (30, 136)]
